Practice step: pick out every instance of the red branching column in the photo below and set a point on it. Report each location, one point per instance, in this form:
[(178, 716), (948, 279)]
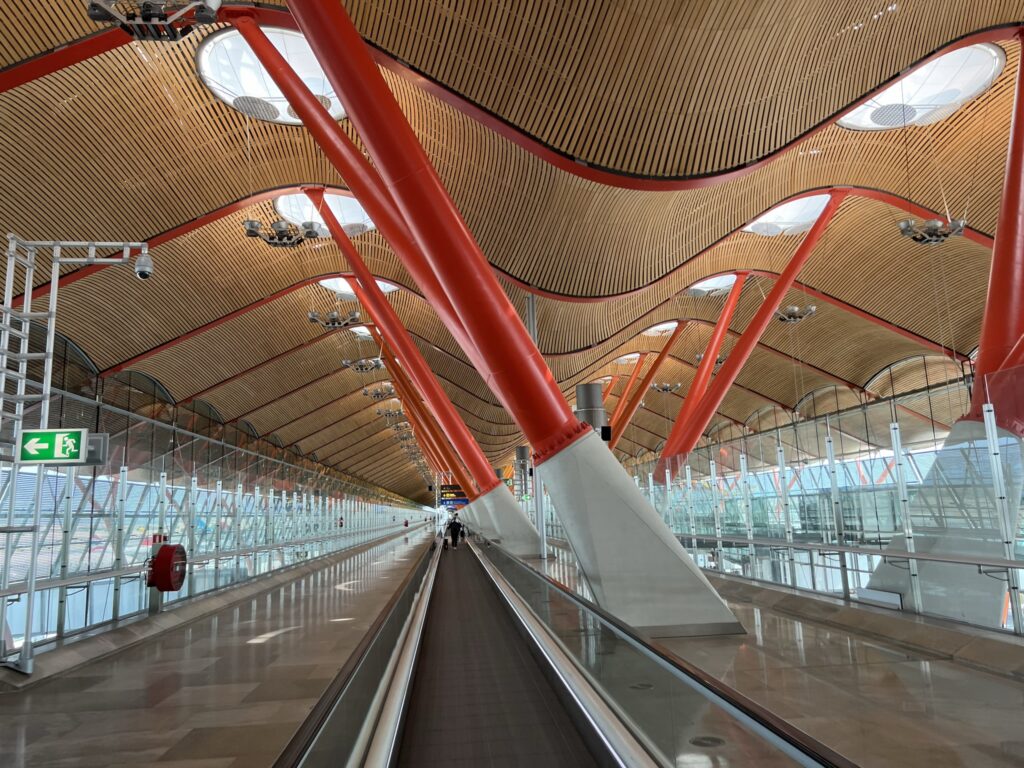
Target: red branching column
[(694, 426), (508, 360), (619, 425), (394, 333)]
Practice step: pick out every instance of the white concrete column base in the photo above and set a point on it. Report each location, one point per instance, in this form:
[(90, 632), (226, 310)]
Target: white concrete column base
[(635, 567), (512, 528)]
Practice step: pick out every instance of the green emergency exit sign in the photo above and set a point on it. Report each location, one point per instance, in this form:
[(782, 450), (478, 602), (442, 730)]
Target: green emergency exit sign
[(53, 446)]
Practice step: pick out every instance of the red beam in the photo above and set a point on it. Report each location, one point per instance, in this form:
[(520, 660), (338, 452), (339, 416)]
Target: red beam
[(707, 365), (619, 426), (394, 333), (752, 334), (1003, 323), (609, 387), (503, 351), (620, 406)]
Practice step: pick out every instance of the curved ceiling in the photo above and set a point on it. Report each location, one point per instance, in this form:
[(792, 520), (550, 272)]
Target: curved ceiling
[(225, 317)]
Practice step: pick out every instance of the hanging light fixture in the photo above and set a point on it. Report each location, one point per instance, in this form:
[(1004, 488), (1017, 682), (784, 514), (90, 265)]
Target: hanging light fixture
[(381, 392), (282, 234), (364, 365), (666, 387), (794, 314), (932, 231)]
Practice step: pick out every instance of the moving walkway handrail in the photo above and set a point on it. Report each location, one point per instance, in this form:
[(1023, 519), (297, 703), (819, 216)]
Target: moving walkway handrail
[(757, 718), (621, 743), (299, 745)]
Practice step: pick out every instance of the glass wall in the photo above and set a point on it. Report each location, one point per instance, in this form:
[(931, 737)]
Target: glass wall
[(896, 502), (240, 505)]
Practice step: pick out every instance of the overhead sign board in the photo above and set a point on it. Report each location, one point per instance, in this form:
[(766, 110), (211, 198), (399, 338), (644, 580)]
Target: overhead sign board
[(53, 446)]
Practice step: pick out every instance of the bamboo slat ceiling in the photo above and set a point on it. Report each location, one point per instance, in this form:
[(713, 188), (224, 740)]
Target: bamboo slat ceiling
[(657, 89)]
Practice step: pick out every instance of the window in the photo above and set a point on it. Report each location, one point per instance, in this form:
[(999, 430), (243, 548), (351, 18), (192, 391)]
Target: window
[(790, 218), (298, 209), (229, 68), (931, 92)]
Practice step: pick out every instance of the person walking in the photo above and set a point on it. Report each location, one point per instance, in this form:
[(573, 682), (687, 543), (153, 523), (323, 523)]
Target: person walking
[(454, 530)]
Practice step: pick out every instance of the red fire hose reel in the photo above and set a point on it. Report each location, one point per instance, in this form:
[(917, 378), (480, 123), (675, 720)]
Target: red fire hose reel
[(167, 568)]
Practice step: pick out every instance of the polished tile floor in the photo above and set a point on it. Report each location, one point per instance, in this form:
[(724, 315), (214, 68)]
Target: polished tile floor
[(877, 705), (229, 690)]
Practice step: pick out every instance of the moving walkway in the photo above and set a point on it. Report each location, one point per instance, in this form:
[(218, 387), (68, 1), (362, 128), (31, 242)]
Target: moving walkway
[(481, 660)]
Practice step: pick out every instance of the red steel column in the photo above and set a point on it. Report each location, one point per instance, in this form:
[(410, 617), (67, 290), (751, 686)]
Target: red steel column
[(624, 398), (608, 389), (360, 177), (694, 427), (510, 363), (619, 426), (1003, 323), (706, 367), (394, 333), (417, 411)]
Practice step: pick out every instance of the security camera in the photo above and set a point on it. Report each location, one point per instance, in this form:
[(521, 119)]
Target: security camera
[(143, 266), (206, 12)]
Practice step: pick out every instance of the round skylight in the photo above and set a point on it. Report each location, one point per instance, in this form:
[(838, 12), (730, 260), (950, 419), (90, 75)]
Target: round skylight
[(342, 287), (661, 329), (931, 92), (630, 358), (298, 209), (790, 218), (229, 68)]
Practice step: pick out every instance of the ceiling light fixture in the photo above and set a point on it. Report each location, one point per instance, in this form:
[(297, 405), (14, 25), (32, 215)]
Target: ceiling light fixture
[(794, 314), (282, 234), (932, 231)]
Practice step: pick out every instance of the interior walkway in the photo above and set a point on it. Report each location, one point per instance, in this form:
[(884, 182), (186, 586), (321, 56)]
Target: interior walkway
[(227, 691), (875, 704)]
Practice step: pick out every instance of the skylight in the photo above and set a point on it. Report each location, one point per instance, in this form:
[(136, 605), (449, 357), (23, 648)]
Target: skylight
[(790, 218), (298, 209), (931, 92), (229, 68), (343, 288), (360, 330), (712, 285), (630, 358), (661, 329)]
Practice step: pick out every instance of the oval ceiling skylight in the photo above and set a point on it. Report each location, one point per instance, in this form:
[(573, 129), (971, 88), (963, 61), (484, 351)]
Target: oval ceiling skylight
[(342, 287), (661, 329), (630, 358), (932, 92), (229, 68), (298, 209), (712, 285), (790, 218)]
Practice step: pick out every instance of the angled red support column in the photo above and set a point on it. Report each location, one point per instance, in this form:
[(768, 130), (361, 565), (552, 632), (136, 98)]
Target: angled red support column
[(619, 425), (635, 566), (694, 426), (419, 413), (1003, 323), (362, 178), (507, 359), (624, 397), (391, 328), (608, 389), (702, 378)]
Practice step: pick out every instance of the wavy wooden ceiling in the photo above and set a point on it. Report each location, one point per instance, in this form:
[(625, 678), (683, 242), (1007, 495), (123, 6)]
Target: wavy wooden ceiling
[(644, 89)]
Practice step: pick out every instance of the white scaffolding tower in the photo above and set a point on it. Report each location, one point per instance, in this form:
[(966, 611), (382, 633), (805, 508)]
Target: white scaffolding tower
[(15, 356)]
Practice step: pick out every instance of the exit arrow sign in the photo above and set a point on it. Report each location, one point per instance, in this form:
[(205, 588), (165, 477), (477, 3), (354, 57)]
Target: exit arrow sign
[(53, 446)]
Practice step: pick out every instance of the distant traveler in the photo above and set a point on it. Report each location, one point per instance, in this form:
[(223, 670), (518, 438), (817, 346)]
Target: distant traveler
[(454, 530)]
